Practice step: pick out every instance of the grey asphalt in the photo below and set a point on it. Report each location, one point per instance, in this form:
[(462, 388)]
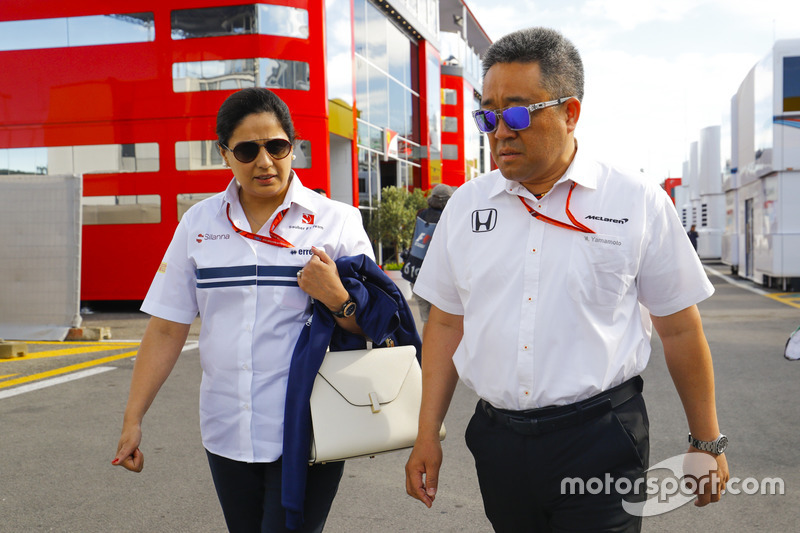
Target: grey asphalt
[(56, 444)]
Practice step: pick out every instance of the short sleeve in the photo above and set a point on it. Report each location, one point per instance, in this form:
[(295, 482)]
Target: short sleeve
[(671, 276), (353, 239), (172, 293)]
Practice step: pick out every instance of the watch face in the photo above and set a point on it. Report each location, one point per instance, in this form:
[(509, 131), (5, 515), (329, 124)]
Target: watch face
[(349, 309), (722, 444)]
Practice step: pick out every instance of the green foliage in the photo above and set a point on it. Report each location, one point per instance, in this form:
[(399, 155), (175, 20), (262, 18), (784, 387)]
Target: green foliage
[(393, 221)]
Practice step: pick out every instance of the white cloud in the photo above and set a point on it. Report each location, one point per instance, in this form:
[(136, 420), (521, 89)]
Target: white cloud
[(629, 14)]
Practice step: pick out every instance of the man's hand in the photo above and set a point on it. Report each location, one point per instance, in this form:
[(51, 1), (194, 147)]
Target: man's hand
[(425, 460), (709, 473)]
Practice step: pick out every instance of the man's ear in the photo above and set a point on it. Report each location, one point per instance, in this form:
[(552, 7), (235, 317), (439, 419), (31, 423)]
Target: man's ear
[(572, 109)]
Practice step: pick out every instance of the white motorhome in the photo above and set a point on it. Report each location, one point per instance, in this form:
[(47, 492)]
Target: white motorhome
[(765, 174)]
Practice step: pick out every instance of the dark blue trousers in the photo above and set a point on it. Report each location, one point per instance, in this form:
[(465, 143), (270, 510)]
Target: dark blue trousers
[(250, 494), (522, 476)]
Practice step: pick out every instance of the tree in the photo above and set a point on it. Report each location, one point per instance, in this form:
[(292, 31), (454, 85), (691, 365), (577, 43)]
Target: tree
[(394, 219)]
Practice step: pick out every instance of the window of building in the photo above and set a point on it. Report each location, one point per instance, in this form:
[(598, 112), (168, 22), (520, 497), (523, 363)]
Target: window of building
[(85, 159), (339, 50), (131, 209), (231, 74), (197, 155), (76, 31), (450, 151), (263, 19), (449, 97), (187, 200), (791, 84), (386, 78), (450, 124)]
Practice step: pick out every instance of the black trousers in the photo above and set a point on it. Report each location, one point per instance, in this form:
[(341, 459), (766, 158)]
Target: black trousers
[(529, 483), (250, 494)]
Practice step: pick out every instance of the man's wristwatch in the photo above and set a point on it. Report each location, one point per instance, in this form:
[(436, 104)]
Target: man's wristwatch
[(347, 310), (716, 446)]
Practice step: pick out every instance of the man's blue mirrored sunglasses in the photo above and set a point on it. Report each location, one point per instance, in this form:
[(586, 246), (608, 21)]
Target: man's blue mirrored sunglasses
[(516, 117)]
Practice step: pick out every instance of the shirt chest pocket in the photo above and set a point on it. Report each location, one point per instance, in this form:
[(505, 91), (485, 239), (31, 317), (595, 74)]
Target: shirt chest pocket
[(291, 298), (601, 269)]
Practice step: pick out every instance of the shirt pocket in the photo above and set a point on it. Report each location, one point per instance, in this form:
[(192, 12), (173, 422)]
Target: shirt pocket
[(601, 269), (291, 298)]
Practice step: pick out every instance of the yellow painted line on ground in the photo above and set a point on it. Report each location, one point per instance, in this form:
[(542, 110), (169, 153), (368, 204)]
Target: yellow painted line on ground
[(8, 376), (71, 351), (66, 369), (789, 298)]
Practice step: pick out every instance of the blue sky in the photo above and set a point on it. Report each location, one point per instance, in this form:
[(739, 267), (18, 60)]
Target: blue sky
[(657, 72)]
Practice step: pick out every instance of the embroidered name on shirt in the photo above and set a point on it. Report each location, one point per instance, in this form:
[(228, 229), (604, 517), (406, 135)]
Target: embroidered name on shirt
[(604, 219), (600, 240), (212, 236), (295, 251)]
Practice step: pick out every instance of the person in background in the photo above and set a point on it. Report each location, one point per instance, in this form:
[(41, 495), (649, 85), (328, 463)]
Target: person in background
[(248, 260), (425, 221), (538, 274), (692, 233)]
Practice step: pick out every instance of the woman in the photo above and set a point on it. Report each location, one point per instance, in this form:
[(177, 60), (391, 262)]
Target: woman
[(249, 260)]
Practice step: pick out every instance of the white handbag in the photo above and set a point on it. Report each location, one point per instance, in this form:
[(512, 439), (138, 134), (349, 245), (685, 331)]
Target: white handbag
[(365, 402)]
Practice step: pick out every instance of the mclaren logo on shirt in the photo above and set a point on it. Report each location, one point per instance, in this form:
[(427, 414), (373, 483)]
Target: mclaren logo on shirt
[(606, 219), (484, 220)]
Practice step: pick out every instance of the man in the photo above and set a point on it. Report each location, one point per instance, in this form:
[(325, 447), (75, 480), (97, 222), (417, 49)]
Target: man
[(536, 274)]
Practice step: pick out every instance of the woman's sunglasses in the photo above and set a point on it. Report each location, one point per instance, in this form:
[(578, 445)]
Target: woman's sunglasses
[(516, 117), (247, 151)]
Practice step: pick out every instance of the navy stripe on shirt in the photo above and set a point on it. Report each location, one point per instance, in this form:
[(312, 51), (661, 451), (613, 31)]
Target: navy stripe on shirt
[(251, 272)]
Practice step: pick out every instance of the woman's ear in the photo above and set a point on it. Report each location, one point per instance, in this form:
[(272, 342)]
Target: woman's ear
[(224, 154)]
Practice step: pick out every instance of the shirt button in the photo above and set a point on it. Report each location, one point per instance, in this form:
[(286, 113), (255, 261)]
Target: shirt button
[(525, 347), (245, 367), (527, 393), (246, 407), (249, 327), (533, 250)]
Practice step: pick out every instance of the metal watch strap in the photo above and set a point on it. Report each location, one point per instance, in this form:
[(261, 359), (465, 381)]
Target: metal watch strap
[(710, 446)]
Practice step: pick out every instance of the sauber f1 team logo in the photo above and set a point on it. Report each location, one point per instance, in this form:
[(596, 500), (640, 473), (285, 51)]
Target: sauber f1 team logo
[(308, 219)]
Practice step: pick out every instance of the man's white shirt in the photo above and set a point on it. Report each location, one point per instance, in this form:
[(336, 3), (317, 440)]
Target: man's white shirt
[(251, 307), (553, 316)]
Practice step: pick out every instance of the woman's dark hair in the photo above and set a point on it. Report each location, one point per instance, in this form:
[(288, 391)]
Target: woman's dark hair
[(246, 102), (559, 60)]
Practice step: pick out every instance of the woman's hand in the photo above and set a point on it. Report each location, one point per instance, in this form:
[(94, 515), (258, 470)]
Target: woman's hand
[(320, 280), (128, 454)]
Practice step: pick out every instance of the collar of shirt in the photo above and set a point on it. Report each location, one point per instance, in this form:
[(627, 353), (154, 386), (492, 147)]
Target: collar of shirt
[(296, 194), (579, 170)]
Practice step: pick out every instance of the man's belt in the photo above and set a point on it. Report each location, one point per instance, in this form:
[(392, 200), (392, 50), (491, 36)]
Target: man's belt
[(549, 419)]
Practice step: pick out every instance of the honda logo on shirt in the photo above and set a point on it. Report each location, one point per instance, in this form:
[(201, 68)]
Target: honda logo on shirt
[(484, 220)]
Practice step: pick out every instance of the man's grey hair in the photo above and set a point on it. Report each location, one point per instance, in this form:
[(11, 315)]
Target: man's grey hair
[(559, 60)]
